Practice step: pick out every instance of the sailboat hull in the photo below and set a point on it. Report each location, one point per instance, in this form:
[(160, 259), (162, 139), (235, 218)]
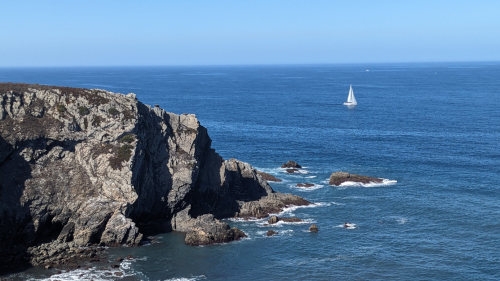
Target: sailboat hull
[(350, 103)]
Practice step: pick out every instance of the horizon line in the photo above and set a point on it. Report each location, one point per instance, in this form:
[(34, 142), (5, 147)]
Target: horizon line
[(249, 64)]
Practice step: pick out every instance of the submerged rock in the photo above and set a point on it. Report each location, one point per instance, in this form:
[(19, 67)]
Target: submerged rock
[(291, 164), (305, 184), (291, 171), (268, 177), (82, 168), (337, 178), (271, 233)]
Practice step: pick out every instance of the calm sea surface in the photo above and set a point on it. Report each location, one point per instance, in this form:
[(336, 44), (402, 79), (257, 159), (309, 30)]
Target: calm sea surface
[(435, 128)]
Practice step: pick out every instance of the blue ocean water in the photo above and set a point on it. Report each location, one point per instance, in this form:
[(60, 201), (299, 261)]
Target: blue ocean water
[(435, 128)]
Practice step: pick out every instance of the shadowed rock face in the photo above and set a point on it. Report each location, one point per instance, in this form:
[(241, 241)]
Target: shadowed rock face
[(85, 167)]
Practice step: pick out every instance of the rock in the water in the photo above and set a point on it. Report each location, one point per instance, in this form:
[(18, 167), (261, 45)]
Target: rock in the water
[(82, 168), (291, 164), (273, 220), (305, 184), (313, 228), (337, 178), (206, 230), (268, 177), (293, 219), (270, 204), (271, 233), (291, 171)]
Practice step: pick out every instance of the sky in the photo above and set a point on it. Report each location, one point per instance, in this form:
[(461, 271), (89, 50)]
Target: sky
[(216, 32)]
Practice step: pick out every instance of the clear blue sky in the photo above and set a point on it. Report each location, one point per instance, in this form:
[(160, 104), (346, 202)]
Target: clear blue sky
[(148, 32)]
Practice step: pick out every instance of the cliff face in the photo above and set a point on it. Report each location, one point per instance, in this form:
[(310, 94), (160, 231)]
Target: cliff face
[(88, 167)]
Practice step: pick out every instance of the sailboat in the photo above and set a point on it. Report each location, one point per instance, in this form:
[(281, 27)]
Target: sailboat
[(351, 100)]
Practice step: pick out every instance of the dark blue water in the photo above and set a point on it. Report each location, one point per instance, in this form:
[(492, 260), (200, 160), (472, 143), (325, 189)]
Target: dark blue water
[(435, 128)]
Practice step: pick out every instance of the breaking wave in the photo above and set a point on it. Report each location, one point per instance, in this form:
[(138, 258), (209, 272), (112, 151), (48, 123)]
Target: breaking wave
[(385, 182)]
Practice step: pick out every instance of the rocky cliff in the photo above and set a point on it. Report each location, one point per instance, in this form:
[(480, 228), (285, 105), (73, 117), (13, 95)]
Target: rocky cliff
[(85, 167)]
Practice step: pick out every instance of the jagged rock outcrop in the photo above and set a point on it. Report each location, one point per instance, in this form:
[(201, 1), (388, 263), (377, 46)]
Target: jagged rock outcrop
[(89, 167), (337, 178)]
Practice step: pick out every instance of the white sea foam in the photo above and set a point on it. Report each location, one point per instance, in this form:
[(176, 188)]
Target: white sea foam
[(291, 209), (280, 232), (244, 219), (200, 277), (301, 171), (89, 274), (303, 188), (311, 177), (349, 226), (402, 220), (283, 223), (385, 182)]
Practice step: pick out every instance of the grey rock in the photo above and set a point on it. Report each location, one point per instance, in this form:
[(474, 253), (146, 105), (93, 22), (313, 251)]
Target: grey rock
[(273, 220), (270, 204), (81, 168), (207, 230)]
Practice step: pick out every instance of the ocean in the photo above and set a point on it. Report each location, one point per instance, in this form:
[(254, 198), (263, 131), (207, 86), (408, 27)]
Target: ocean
[(434, 128)]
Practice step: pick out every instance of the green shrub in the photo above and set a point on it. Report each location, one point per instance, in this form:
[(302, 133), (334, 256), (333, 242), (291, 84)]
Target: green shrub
[(128, 138), (61, 108), (83, 110), (113, 111), (128, 114), (121, 154)]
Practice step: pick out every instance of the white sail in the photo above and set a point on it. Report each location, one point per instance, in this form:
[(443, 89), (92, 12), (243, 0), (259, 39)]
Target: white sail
[(351, 100)]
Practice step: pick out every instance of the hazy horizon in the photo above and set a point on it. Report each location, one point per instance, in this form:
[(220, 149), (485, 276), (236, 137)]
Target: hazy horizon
[(157, 33)]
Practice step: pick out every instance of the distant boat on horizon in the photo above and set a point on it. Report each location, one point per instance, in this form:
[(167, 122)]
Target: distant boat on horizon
[(351, 100)]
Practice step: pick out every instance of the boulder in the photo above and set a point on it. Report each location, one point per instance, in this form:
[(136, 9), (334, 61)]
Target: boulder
[(313, 228), (291, 164), (337, 178), (305, 184), (291, 171), (273, 220)]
